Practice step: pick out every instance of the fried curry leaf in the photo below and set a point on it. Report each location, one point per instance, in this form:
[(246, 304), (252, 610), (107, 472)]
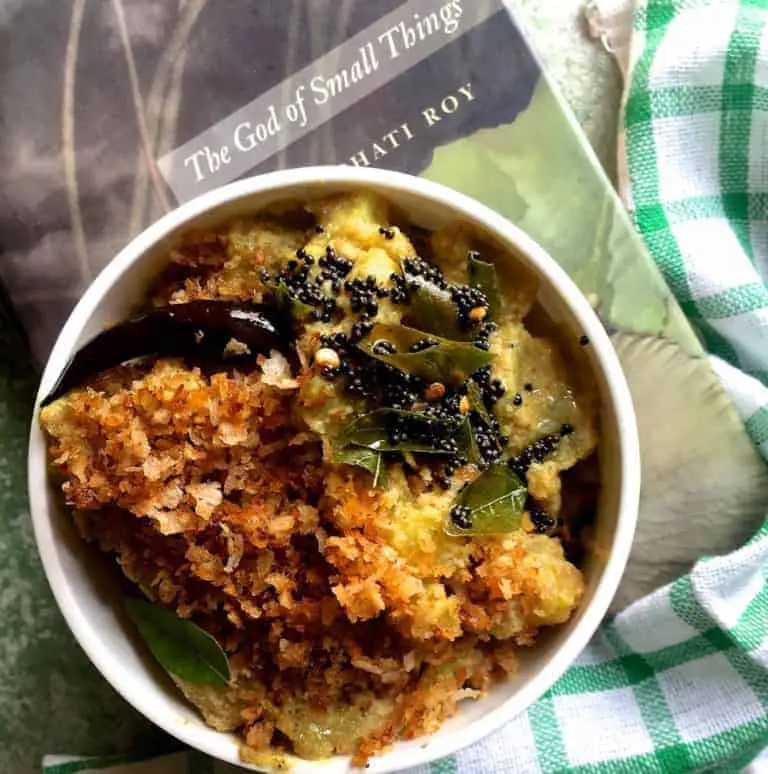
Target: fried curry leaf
[(431, 310), (468, 443), (449, 362), (362, 457), (181, 647), (494, 504), (372, 431), (476, 399), (287, 303), (483, 275)]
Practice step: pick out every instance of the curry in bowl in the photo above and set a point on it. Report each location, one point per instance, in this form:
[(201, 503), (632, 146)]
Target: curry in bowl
[(346, 465)]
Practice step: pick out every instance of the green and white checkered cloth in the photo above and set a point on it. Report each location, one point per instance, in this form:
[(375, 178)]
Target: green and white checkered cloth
[(679, 681)]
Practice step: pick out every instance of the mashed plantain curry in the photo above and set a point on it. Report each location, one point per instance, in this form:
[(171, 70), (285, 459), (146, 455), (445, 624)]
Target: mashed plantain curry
[(370, 517)]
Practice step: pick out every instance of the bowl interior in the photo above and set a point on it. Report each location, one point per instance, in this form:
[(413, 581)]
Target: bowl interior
[(88, 588)]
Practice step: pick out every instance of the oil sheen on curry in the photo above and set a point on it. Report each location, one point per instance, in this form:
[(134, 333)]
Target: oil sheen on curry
[(345, 464)]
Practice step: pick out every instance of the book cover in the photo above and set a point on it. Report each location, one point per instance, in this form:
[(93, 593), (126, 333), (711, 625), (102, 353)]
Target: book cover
[(116, 111)]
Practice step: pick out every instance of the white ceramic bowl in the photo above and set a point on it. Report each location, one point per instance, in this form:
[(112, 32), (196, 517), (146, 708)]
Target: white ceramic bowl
[(85, 585)]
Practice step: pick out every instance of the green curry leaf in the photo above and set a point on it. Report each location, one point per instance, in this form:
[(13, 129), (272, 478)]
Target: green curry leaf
[(468, 443), (483, 275), (431, 310), (362, 457), (449, 362), (496, 502), (285, 301), (181, 647), (371, 431), (476, 399)]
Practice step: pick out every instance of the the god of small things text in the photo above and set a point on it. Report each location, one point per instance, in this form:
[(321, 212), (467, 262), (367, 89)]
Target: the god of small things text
[(312, 99)]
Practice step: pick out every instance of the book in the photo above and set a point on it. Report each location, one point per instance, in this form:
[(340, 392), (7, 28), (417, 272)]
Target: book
[(155, 103)]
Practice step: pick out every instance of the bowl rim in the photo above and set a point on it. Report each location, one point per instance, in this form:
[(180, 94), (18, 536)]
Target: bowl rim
[(385, 180)]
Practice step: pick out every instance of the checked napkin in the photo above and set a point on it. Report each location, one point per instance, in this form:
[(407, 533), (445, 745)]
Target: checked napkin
[(678, 682)]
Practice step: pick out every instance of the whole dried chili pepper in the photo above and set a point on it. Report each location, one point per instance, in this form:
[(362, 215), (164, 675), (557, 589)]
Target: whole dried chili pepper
[(199, 329)]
